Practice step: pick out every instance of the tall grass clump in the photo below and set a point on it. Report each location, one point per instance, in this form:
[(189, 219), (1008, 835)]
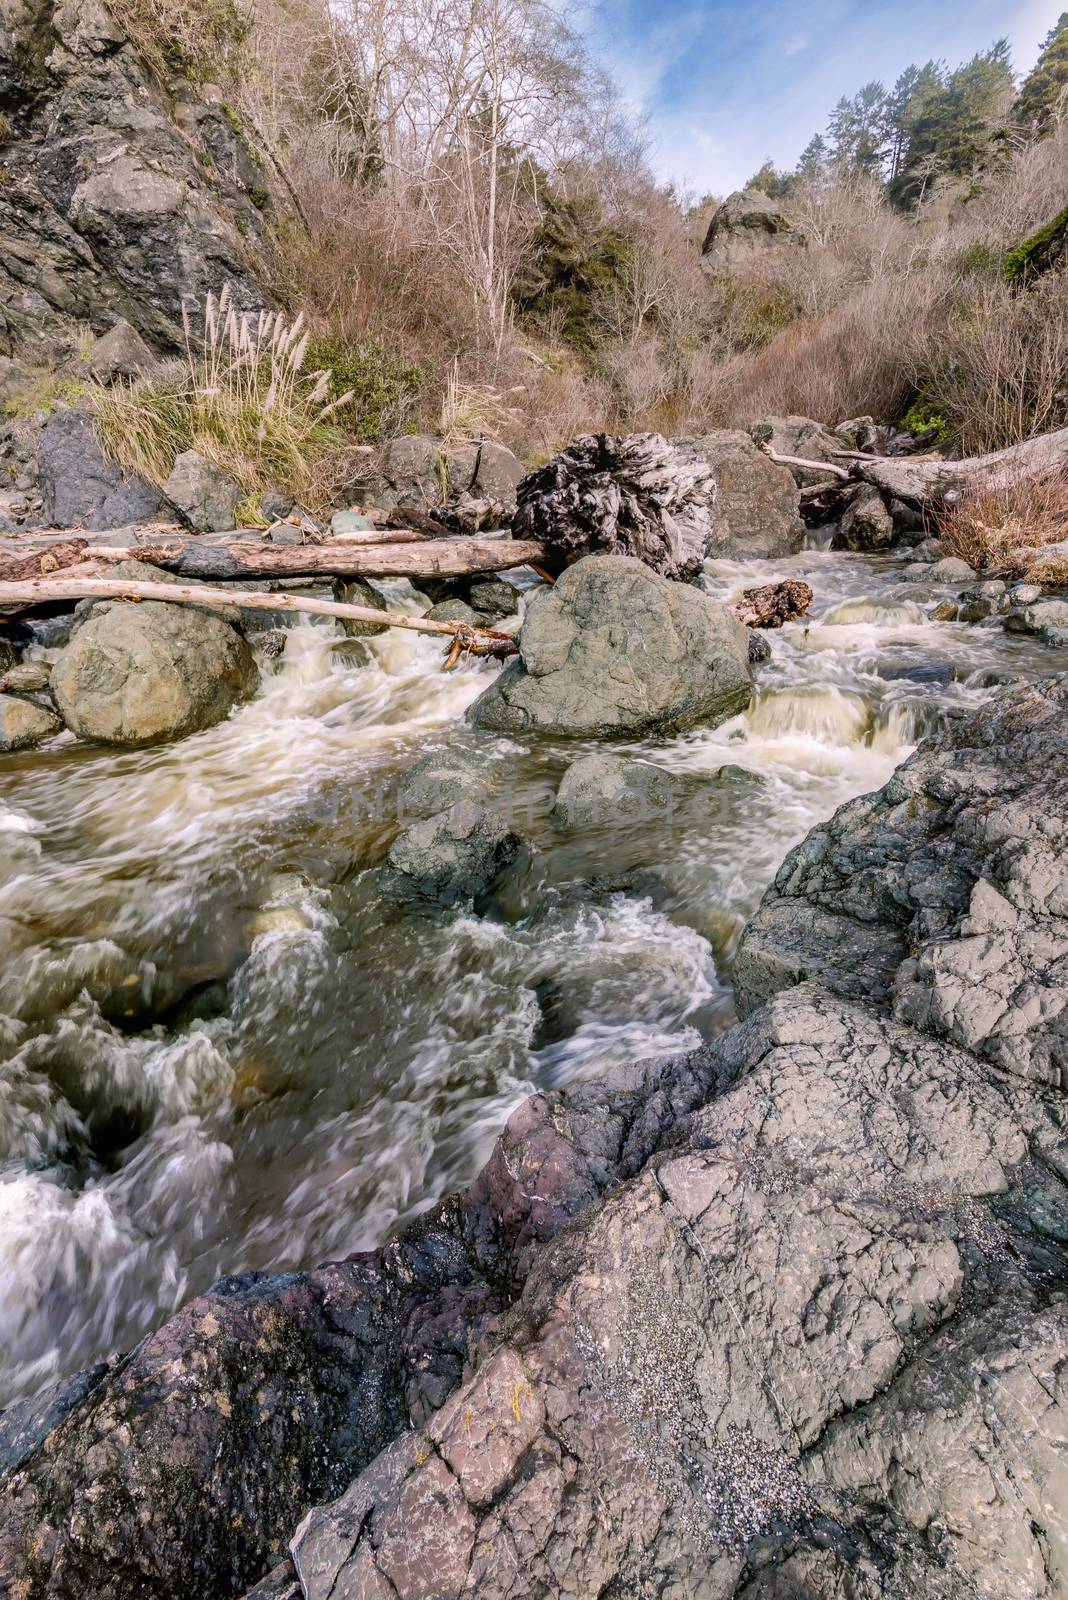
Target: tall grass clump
[(242, 399)]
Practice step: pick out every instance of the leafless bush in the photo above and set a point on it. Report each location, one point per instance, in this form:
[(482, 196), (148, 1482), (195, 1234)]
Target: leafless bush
[(1003, 530)]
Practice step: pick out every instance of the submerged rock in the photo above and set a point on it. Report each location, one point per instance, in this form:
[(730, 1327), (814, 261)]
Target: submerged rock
[(600, 791), (138, 674), (614, 649)]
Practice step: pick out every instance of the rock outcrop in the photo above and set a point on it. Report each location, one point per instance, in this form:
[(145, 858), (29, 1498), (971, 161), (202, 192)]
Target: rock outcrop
[(613, 649), (805, 439), (634, 494), (756, 500), (80, 487), (139, 674), (782, 1318), (115, 203), (747, 231)]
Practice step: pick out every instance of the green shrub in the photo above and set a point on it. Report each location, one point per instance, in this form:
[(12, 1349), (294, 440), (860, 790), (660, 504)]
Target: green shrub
[(924, 417), (1042, 251), (46, 391), (378, 388)]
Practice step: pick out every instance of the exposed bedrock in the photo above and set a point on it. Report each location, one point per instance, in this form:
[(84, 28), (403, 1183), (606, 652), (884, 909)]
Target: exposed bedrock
[(782, 1318)]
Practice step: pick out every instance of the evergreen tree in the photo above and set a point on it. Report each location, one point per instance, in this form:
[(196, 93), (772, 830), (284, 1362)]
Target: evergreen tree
[(814, 158), (858, 129), (951, 128), (1043, 96), (770, 181)]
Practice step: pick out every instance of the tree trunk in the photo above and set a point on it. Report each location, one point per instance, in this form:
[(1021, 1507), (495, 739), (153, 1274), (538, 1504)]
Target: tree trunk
[(43, 591), (929, 484), (202, 557)]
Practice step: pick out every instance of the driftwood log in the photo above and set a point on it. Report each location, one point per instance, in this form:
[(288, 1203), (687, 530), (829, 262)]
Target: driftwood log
[(198, 556), (636, 495), (44, 591), (929, 484), (771, 604)]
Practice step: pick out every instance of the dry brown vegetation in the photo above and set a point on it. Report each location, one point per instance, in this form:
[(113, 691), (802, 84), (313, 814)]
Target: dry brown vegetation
[(1005, 530), (469, 226)]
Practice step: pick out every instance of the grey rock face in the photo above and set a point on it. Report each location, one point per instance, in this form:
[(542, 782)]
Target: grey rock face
[(80, 488), (454, 611), (943, 893), (107, 210), (746, 230), (1048, 619), (422, 469), (947, 569), (493, 599), (634, 494), (358, 592), (671, 1398), (756, 499), (444, 779), (615, 649), (120, 353), (205, 495), (22, 723), (866, 524), (458, 854), (600, 791), (137, 674), (801, 437)]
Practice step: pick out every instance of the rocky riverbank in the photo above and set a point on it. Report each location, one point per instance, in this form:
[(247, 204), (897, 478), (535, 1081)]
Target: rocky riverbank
[(784, 1316)]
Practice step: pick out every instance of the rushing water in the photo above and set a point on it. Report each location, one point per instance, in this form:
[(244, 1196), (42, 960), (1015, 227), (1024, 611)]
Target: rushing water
[(226, 1042)]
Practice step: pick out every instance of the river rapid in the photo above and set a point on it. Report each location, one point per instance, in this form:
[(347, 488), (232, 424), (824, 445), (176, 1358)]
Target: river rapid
[(226, 1040)]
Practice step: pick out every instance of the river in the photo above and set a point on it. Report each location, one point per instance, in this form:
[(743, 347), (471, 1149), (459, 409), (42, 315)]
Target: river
[(226, 1042)]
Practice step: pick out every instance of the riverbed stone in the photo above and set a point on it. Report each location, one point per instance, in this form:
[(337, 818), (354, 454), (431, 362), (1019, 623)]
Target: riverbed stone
[(756, 514), (358, 592), (206, 496), (866, 524), (454, 611), (600, 791), (24, 724), (458, 854), (1046, 619), (614, 649), (140, 674)]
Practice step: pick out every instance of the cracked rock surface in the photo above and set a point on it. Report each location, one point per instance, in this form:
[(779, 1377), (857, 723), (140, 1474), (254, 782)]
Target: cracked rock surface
[(784, 1319)]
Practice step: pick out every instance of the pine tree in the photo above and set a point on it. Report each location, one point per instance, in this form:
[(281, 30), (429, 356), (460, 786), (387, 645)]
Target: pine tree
[(814, 158), (858, 129), (1043, 96)]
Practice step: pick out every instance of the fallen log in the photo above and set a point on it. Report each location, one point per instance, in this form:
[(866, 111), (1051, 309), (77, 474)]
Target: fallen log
[(43, 591), (930, 484), (800, 461), (196, 556)]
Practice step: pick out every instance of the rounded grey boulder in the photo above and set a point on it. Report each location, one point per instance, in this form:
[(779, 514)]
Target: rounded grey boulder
[(604, 791), (138, 674), (614, 649), (23, 724), (457, 854)]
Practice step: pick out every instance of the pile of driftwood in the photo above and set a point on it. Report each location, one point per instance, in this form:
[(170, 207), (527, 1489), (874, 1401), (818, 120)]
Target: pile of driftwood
[(45, 568)]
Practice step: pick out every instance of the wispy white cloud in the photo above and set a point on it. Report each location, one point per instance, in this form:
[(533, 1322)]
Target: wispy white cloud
[(725, 86)]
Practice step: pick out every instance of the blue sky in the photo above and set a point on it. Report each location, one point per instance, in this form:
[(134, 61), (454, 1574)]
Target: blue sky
[(725, 85)]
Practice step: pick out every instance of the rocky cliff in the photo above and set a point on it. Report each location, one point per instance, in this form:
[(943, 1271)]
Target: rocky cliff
[(118, 197), (785, 1317)]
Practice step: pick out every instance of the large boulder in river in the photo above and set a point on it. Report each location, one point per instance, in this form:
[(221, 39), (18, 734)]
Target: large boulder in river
[(746, 232), (22, 723), (457, 854), (635, 494), (206, 496), (615, 650), (138, 674), (756, 499), (866, 523)]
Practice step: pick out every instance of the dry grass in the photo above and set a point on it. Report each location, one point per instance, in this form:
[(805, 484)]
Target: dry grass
[(242, 399), (1004, 530)]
